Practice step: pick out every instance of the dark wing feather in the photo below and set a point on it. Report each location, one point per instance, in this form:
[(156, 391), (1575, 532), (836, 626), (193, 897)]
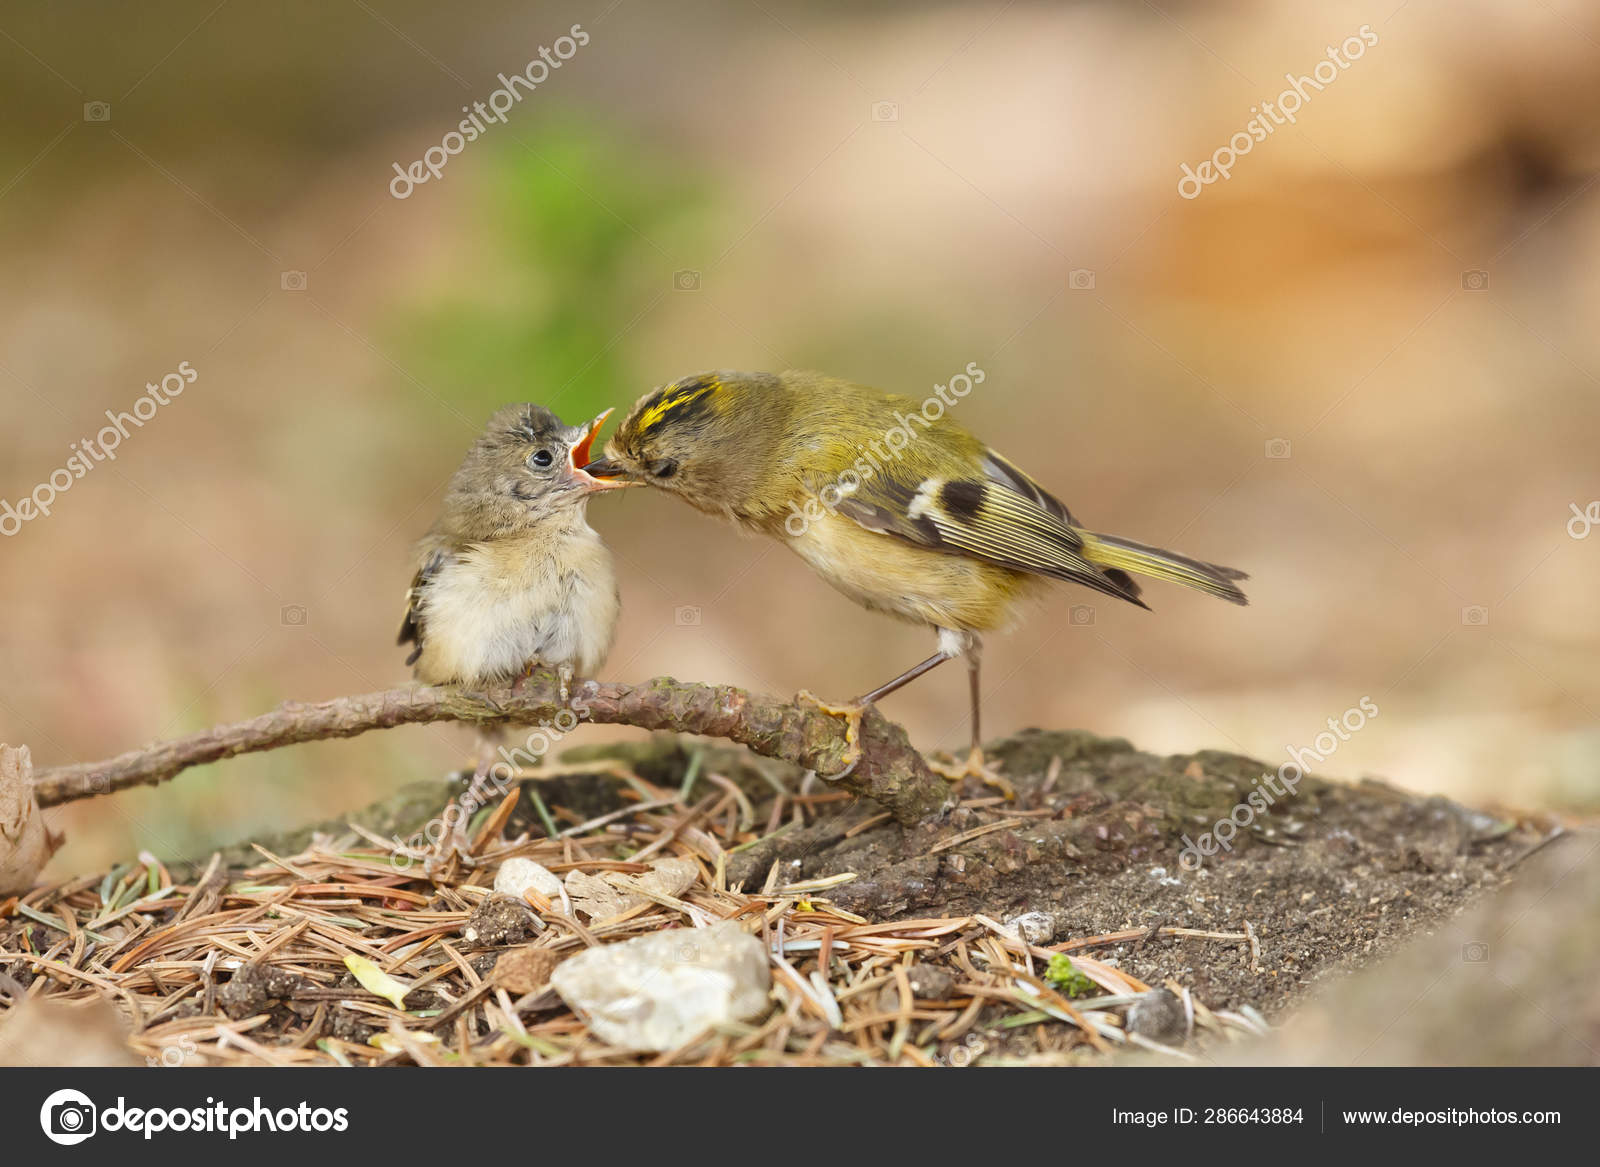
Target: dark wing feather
[(411, 630), (999, 515), (1005, 472)]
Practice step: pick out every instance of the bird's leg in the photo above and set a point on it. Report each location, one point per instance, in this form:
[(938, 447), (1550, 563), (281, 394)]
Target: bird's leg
[(906, 677), (852, 711), (976, 766)]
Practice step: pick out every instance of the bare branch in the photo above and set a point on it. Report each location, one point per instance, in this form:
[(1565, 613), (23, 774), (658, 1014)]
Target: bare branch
[(890, 771)]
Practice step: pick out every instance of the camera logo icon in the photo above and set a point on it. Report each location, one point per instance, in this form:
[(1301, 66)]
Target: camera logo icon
[(292, 281), (96, 111), (293, 616), (1475, 616), (1475, 952), (1080, 279), (68, 1117), (1081, 615), (885, 111), (686, 616), (970, 1050), (1476, 280), (1278, 448), (173, 1056), (687, 280)]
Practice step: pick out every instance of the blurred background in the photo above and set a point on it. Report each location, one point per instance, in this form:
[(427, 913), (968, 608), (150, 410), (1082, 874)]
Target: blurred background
[(1362, 366)]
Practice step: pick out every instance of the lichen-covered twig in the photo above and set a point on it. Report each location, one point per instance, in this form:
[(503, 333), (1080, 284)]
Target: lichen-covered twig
[(890, 771)]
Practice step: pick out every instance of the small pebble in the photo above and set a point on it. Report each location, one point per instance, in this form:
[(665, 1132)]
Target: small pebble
[(1034, 927), (517, 875), (500, 919), (255, 988), (929, 980), (525, 970), (1157, 1015)]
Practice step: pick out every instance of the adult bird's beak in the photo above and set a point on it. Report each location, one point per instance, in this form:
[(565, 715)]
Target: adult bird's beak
[(606, 468), (581, 464)]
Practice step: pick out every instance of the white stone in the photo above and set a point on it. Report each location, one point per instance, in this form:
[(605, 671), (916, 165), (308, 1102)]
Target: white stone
[(1034, 927), (517, 875), (660, 991)]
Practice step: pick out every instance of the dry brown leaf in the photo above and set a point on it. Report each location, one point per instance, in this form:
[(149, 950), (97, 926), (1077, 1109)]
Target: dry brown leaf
[(26, 844), (54, 1033), (600, 900)]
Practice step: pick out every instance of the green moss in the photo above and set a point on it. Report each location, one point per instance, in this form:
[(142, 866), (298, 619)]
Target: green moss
[(1064, 975)]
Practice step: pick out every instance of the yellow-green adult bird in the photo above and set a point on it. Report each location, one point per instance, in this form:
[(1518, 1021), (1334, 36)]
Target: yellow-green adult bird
[(887, 499)]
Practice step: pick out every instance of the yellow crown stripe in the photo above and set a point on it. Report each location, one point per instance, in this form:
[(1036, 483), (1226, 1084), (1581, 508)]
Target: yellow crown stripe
[(673, 399)]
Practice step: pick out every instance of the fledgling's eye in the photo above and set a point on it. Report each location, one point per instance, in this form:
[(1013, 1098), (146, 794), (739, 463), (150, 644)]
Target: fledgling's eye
[(541, 458), (665, 468)]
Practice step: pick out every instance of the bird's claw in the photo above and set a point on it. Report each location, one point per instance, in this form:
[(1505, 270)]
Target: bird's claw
[(564, 676), (976, 766), (852, 715)]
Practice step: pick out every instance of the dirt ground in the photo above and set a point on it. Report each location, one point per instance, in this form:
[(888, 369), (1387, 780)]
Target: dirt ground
[(1329, 879), (1325, 881)]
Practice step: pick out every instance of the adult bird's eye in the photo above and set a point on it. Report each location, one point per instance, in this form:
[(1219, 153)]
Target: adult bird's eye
[(541, 458), (665, 468)]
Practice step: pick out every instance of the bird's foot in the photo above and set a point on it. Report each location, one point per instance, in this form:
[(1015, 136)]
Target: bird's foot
[(852, 714), (563, 673), (521, 683), (976, 766)]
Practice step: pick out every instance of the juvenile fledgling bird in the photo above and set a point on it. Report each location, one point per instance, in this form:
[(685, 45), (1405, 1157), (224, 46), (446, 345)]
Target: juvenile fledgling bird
[(512, 575), (935, 528)]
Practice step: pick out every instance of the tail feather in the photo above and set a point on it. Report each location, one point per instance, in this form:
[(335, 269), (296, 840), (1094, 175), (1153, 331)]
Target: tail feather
[(1124, 555)]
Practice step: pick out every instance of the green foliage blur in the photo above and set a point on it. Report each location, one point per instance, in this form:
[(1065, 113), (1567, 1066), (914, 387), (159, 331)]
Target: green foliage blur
[(574, 225)]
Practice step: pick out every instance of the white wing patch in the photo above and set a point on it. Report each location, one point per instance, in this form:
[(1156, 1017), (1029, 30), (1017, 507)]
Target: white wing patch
[(927, 495)]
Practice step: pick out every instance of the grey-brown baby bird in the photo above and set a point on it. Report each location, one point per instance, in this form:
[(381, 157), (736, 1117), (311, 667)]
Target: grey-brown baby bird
[(512, 576)]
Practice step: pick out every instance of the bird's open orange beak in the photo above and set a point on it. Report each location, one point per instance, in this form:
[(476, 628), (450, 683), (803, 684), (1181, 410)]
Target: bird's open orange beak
[(580, 459)]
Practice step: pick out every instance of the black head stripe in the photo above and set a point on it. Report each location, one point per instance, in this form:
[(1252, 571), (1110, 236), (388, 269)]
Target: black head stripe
[(678, 404), (704, 383)]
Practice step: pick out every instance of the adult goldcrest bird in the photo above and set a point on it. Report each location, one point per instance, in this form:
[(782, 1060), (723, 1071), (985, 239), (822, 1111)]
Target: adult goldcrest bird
[(906, 514), (512, 576)]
